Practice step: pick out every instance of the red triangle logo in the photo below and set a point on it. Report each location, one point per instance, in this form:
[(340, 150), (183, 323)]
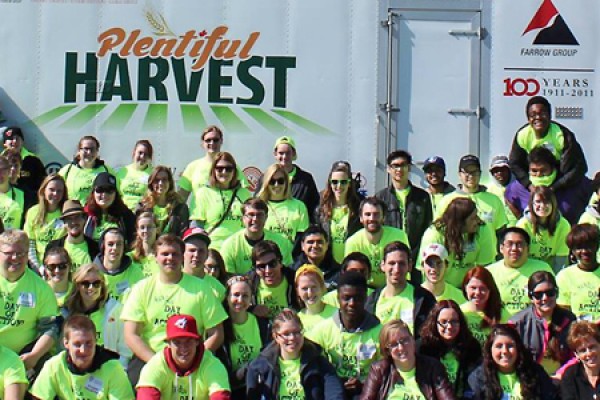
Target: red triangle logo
[(542, 17)]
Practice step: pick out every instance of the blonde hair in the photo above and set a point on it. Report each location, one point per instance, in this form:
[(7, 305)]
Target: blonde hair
[(265, 191)]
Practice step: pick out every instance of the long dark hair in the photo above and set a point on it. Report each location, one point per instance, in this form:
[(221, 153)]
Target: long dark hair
[(328, 198), (173, 198), (524, 366), (113, 213), (452, 222), (546, 195)]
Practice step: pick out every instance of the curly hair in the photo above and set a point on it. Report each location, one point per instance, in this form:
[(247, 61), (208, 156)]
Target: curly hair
[(465, 347), (524, 366), (493, 308), (328, 197), (452, 223), (547, 196)]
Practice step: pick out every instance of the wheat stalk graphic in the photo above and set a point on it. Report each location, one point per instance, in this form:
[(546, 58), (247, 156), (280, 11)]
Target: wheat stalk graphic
[(158, 23)]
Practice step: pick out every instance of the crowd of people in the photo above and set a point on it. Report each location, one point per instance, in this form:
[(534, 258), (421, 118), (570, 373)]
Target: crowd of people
[(129, 284)]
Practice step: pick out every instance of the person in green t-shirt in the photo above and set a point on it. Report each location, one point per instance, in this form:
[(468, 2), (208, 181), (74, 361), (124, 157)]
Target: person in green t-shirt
[(434, 263), (57, 273), (84, 370), (42, 222), (142, 253), (434, 168), (194, 256), (32, 171), (184, 369), (500, 177), (508, 370), (310, 287), (215, 266), (13, 379), (132, 179), (11, 212), (355, 261)]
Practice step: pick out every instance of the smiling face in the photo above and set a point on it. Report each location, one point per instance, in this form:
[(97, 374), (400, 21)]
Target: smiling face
[(309, 289), (81, 347), (539, 119), (212, 141), (57, 268), (434, 268), (469, 177), (315, 246), (504, 353), (284, 154), (160, 184), (254, 220), (196, 252), (477, 293), (268, 268), (184, 351), (75, 224), (114, 246), (290, 339), (396, 266), (141, 156), (88, 152), (239, 297), (90, 287), (515, 250), (13, 260), (541, 207), (543, 298), (340, 182), (13, 142), (372, 218), (501, 174), (224, 172), (278, 186), (105, 196), (434, 175), (399, 169), (169, 259), (448, 324), (54, 193), (588, 352), (402, 348)]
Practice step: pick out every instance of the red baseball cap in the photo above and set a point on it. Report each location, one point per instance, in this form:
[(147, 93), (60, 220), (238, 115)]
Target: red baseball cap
[(182, 326), (196, 232)]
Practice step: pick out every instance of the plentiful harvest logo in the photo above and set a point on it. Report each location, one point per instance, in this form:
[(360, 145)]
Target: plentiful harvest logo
[(144, 80)]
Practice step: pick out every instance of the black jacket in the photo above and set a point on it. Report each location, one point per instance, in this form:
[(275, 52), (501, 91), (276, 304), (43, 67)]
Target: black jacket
[(423, 301), (575, 385), (572, 164), (33, 173), (318, 376), (418, 213)]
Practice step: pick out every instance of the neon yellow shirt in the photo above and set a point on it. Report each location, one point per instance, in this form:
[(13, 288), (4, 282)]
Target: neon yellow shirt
[(579, 291), (489, 207), (152, 302), (78, 253), (499, 190), (103, 225), (118, 284), (510, 386), (237, 252), (147, 264), (554, 140), (287, 217), (12, 370), (359, 242), (512, 282), (481, 251), (53, 228), (80, 180), (401, 196), (338, 227), (543, 246), (210, 377), (247, 344), (132, 184), (275, 298), (400, 306), (10, 212), (23, 304), (450, 293), (290, 386), (475, 322), (309, 321), (57, 381), (408, 389)]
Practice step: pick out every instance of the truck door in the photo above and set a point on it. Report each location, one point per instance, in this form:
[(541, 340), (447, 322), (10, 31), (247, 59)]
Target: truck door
[(434, 84)]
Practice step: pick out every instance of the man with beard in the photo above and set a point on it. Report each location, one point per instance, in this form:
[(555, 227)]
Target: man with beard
[(374, 237), (83, 369)]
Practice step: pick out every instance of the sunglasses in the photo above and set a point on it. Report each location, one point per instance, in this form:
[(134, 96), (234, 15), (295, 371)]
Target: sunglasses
[(271, 265), (90, 284), (60, 267), (540, 295), (227, 168), (104, 190), (280, 182), (342, 182)]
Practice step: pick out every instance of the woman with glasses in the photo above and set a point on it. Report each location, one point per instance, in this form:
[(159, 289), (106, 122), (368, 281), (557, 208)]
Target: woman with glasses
[(508, 370), (546, 227), (483, 308), (133, 178), (42, 222), (403, 373), (310, 288), (291, 366), (445, 336), (468, 240), (57, 271), (543, 325), (170, 210), (89, 296), (287, 215), (219, 204), (105, 209), (142, 252), (245, 334), (80, 173), (338, 211), (215, 266), (580, 380)]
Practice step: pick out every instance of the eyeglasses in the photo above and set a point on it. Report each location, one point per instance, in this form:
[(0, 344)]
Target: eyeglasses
[(271, 265), (290, 335), (60, 267), (279, 181), (398, 167), (540, 295), (471, 173), (211, 140), (402, 342), (108, 190), (448, 323), (90, 284), (342, 182), (12, 254), (222, 169)]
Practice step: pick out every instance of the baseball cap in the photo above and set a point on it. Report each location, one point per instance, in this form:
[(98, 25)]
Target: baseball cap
[(434, 160), (499, 162), (71, 207), (105, 180), (181, 326), (435, 249), (467, 160), (11, 132), (286, 140), (200, 233)]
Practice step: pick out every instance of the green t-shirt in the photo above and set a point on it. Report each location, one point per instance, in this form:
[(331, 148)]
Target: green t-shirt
[(147, 264), (210, 377), (22, 305), (512, 282), (10, 212), (118, 284), (338, 227), (78, 252), (61, 297), (510, 386), (237, 252), (247, 344), (359, 242), (579, 291), (475, 322), (499, 190), (451, 293), (290, 387), (408, 389), (401, 195), (152, 302), (480, 251), (436, 200), (57, 381), (12, 370), (103, 225), (489, 207), (309, 321), (400, 306), (275, 298), (553, 141), (287, 217), (544, 246), (132, 184), (351, 353), (80, 180), (451, 364), (53, 228), (211, 204)]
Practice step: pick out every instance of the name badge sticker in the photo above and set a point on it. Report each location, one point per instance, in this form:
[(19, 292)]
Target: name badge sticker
[(94, 385), (26, 299)]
